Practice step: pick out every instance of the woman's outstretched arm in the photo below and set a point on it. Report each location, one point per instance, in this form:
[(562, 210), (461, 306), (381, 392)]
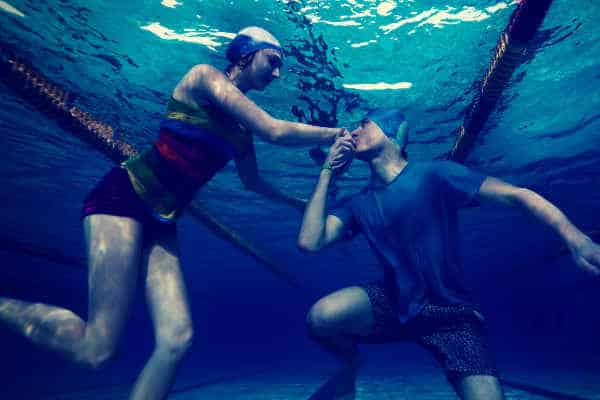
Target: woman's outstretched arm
[(206, 83)]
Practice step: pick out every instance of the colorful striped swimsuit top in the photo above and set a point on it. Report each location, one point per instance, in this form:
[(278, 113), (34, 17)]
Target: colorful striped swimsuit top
[(193, 144)]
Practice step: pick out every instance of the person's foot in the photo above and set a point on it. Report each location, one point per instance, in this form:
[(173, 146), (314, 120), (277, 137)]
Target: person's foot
[(341, 386)]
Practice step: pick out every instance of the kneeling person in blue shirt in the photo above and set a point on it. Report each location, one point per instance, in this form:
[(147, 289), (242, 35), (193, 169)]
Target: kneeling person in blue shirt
[(408, 214)]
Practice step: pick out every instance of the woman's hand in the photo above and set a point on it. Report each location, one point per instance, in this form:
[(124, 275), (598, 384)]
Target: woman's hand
[(586, 255), (341, 153)]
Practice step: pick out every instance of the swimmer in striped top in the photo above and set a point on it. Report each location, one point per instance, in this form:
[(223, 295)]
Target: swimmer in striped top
[(130, 216)]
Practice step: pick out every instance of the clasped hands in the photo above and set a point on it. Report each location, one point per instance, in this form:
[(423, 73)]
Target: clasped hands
[(341, 153)]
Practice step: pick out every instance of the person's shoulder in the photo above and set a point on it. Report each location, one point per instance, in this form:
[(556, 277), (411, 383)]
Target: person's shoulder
[(202, 78), (434, 169), (448, 170), (204, 71)]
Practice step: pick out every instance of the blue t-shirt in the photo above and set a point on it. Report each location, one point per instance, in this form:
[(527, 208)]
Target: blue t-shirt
[(412, 226)]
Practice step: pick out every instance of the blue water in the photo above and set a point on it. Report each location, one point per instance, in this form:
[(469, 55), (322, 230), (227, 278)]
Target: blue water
[(122, 59)]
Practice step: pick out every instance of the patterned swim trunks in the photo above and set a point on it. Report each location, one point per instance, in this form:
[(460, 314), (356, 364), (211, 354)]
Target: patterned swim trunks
[(454, 334)]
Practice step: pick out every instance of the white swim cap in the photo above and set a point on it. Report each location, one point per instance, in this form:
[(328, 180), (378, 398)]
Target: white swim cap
[(249, 40)]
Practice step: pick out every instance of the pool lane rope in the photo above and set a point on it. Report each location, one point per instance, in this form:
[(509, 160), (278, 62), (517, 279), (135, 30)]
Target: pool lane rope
[(508, 55), (57, 104)]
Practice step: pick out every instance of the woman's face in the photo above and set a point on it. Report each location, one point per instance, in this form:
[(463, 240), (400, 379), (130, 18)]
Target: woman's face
[(265, 67)]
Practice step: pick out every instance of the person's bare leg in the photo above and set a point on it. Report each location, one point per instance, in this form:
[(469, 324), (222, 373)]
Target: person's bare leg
[(113, 247), (479, 387), (333, 322), (167, 300)]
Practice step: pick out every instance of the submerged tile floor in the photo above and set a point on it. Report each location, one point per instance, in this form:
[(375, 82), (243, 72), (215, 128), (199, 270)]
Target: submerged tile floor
[(373, 384)]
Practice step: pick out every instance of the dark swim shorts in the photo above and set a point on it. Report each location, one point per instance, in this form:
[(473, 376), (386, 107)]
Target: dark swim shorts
[(454, 334), (114, 195)]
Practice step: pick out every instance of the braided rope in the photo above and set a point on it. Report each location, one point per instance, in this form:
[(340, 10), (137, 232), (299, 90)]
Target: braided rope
[(56, 102), (508, 54)]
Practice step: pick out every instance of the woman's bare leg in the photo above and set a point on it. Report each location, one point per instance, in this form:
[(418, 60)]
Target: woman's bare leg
[(113, 247), (333, 322), (167, 300)]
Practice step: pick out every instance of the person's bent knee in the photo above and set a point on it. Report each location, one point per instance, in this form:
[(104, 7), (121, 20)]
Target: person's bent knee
[(176, 342), (99, 361), (319, 321)]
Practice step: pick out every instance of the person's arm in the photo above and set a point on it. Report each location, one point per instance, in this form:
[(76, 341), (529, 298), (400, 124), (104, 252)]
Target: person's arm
[(585, 252), (319, 229), (248, 172), (207, 83)]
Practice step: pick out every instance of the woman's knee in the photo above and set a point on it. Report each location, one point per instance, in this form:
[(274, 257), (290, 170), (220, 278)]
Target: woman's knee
[(96, 356), (98, 345), (175, 341)]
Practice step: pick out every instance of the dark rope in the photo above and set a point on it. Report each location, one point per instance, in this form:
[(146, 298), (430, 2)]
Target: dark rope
[(509, 52), (56, 103)]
